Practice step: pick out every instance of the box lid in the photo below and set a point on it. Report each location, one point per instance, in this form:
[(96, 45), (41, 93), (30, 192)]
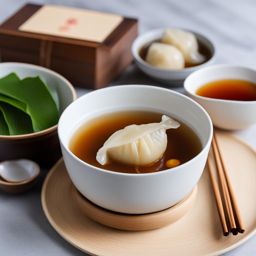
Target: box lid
[(20, 25)]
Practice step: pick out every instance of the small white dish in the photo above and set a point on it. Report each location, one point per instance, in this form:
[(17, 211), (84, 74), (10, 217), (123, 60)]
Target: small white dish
[(18, 175), (172, 77), (19, 170), (225, 114)]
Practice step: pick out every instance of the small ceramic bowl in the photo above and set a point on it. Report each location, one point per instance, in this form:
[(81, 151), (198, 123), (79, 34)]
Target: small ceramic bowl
[(42, 147), (17, 176), (134, 193), (172, 77), (225, 114)]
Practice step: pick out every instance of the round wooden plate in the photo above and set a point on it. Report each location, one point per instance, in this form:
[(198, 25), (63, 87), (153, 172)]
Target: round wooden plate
[(197, 233), (136, 222)]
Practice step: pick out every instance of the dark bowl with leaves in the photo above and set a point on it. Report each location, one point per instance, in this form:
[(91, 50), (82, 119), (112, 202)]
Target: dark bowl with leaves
[(32, 99)]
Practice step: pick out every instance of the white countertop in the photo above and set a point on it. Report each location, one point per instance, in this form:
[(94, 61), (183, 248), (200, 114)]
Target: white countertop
[(24, 230)]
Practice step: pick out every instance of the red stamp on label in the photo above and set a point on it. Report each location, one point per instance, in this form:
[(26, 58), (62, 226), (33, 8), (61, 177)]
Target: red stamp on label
[(71, 21)]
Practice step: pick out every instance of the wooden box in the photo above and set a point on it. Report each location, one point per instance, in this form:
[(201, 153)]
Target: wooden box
[(85, 63)]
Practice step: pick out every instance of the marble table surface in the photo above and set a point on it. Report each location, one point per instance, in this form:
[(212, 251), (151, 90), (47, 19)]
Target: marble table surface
[(231, 24)]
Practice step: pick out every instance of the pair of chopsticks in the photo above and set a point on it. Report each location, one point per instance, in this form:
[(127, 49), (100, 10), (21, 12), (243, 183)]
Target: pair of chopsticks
[(224, 194)]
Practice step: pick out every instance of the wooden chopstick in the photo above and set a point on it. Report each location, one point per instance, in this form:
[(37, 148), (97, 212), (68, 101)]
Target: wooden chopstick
[(224, 188), (237, 213), (225, 198), (218, 198)]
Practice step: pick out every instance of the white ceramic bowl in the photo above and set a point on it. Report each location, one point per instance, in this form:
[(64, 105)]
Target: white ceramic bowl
[(225, 114), (173, 77), (43, 146), (134, 193)]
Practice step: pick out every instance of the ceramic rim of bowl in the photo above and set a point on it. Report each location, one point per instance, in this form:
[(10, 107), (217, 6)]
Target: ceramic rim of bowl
[(52, 128), (156, 34), (188, 90), (209, 139)]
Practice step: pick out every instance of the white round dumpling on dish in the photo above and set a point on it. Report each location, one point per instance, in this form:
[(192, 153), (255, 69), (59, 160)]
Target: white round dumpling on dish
[(165, 56), (138, 145), (186, 42)]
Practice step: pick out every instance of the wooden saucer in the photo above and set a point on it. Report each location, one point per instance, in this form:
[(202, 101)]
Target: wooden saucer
[(197, 233), (136, 222)]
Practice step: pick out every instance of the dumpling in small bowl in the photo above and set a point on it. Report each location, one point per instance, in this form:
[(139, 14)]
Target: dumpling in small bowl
[(186, 42), (137, 145), (165, 56)]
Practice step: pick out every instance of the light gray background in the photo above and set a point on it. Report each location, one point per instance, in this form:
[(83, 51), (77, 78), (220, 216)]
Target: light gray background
[(231, 24)]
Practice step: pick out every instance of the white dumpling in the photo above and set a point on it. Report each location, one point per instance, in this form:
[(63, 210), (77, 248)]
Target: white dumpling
[(138, 145), (186, 42), (165, 56)]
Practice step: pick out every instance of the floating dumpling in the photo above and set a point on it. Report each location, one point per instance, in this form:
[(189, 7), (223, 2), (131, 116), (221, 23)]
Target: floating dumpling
[(138, 145), (165, 56), (186, 42)]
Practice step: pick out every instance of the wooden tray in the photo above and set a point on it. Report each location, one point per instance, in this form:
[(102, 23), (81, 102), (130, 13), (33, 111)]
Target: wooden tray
[(197, 233), (133, 222)]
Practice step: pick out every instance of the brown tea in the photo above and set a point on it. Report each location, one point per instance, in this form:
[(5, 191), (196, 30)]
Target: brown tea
[(231, 89), (183, 143)]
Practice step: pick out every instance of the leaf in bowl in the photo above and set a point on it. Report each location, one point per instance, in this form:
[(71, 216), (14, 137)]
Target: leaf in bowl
[(3, 126), (15, 103), (55, 97), (35, 95), (17, 121)]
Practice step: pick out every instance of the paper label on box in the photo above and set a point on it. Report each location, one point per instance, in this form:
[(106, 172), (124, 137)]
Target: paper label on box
[(72, 23)]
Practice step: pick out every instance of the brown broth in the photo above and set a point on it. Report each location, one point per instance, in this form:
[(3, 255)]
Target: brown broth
[(229, 89), (183, 143), (205, 51)]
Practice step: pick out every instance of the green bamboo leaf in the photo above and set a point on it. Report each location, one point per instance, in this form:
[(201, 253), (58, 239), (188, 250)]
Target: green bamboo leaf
[(55, 97), (17, 121), (21, 106), (3, 126), (34, 93), (15, 103)]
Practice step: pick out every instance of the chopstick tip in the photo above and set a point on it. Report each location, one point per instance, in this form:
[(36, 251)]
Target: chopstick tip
[(241, 230), (234, 231), (225, 233)]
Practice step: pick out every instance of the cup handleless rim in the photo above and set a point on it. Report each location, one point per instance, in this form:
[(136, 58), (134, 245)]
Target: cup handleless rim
[(188, 86)]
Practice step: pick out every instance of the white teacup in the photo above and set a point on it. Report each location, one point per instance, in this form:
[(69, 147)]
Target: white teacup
[(225, 114), (135, 193)]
